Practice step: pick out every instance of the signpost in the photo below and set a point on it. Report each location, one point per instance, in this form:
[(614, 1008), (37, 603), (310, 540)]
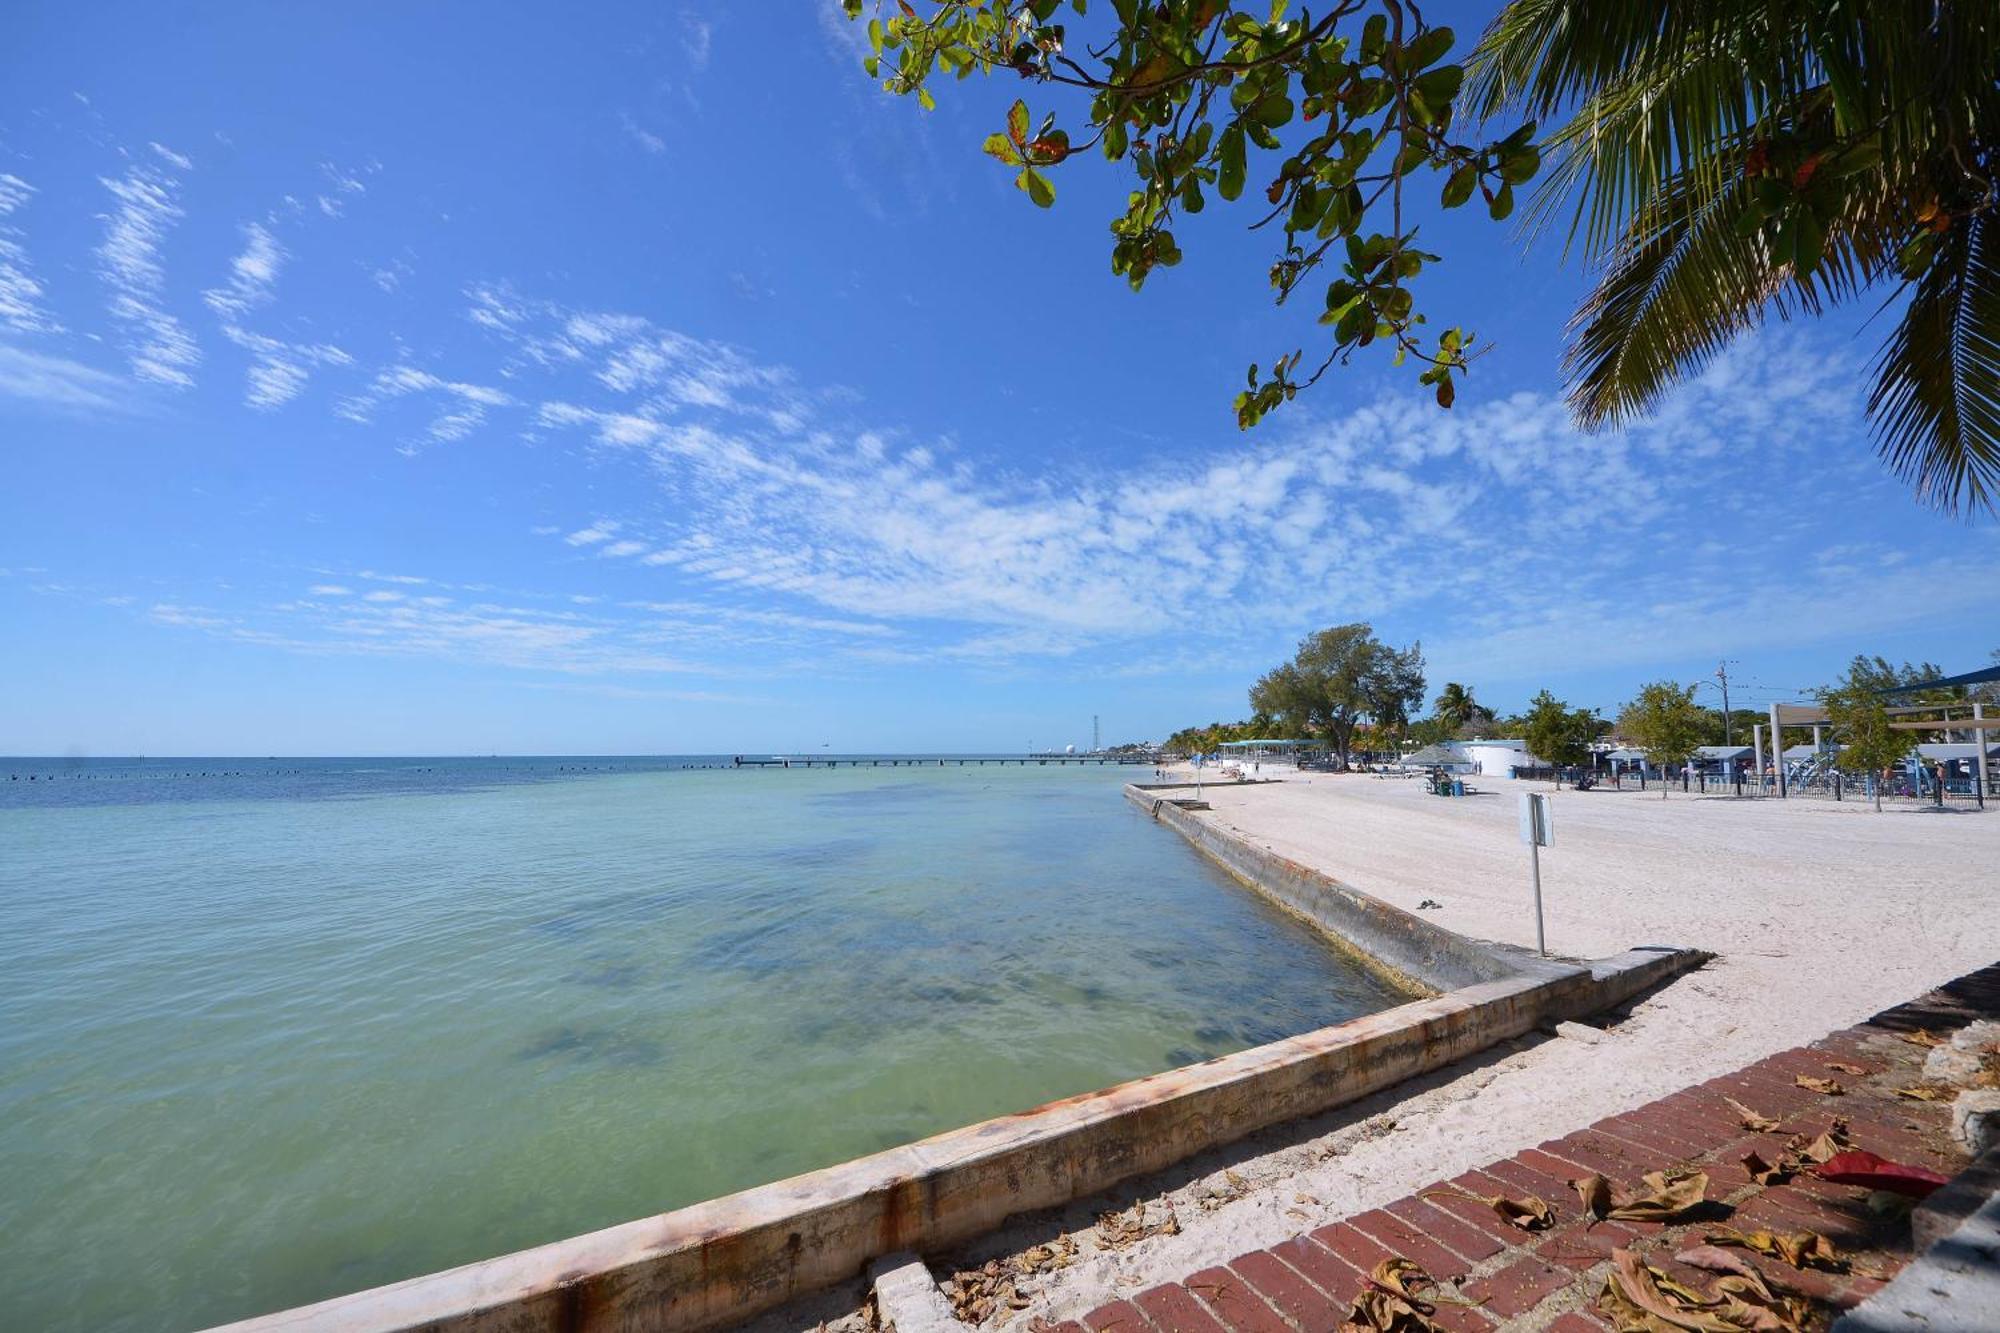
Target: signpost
[(1538, 831)]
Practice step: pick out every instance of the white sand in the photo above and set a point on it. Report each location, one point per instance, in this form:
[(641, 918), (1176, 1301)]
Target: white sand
[(1821, 915)]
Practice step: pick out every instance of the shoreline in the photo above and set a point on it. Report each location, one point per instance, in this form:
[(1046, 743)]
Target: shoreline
[(1779, 891)]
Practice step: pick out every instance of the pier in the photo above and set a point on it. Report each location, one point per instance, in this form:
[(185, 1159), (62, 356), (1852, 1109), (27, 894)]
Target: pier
[(939, 761)]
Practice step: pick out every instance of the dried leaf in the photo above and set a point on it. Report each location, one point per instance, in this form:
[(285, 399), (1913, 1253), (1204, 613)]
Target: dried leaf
[(1402, 1277), (1763, 1172), (1800, 1249), (1827, 1146), (1921, 1037), (1826, 1086), (1662, 1200), (1843, 1067), (1717, 1260), (1926, 1092), (1383, 1312), (1642, 1299), (1117, 1230), (1750, 1119), (1528, 1213)]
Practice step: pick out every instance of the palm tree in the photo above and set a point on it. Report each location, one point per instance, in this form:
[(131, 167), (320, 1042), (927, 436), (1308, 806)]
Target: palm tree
[(1729, 159), (1456, 706)]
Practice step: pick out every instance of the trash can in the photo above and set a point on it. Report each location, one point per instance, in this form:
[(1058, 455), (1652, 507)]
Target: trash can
[(1458, 786)]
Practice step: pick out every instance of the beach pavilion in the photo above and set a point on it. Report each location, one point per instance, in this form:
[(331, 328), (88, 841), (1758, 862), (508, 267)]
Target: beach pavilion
[(1261, 751)]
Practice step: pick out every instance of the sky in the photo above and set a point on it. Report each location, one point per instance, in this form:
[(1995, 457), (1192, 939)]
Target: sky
[(640, 378)]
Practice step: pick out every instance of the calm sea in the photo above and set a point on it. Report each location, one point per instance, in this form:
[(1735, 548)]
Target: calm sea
[(275, 1030)]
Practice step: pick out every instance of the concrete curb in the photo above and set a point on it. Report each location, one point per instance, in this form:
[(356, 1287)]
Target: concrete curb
[(723, 1261)]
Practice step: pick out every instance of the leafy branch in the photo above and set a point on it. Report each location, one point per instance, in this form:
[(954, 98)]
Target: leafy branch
[(1333, 115)]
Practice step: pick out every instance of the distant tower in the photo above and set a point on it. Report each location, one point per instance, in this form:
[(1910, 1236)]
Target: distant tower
[(1096, 741)]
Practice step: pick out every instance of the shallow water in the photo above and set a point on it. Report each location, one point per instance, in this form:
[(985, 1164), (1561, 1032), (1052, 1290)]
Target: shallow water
[(301, 1027)]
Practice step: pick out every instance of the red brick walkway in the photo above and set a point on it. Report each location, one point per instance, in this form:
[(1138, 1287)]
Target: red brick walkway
[(1550, 1280)]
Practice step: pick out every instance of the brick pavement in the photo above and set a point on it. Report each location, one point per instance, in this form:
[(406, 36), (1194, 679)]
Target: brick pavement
[(1549, 1280)]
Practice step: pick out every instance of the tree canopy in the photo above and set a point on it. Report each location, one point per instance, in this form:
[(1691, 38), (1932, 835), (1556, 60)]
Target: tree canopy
[(1861, 721), (1722, 161), (1558, 733), (1665, 722), (1326, 117), (1340, 678)]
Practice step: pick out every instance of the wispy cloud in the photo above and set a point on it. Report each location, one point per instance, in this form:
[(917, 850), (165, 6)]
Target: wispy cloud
[(21, 294), (464, 405), (640, 135), (58, 382), (252, 274), (161, 351)]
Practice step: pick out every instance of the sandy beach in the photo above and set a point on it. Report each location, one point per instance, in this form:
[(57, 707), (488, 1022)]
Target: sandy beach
[(1820, 915)]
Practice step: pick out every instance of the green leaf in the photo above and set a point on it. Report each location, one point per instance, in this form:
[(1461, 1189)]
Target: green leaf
[(1272, 110), (1017, 123), (1229, 162), (1501, 204), (1037, 187), (1441, 85), (1429, 48), (925, 100), (1809, 237), (1458, 188), (1373, 34), (1000, 146), (1521, 166)]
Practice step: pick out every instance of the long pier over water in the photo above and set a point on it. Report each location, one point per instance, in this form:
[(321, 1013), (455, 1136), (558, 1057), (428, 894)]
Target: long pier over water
[(938, 761)]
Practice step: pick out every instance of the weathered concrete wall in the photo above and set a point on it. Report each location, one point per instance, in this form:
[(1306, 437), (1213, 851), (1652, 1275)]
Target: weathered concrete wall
[(1411, 949), (723, 1261)]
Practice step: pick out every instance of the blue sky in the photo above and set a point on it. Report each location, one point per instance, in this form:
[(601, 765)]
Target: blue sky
[(638, 378)]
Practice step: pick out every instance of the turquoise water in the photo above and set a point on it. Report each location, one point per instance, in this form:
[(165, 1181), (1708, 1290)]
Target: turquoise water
[(295, 1027)]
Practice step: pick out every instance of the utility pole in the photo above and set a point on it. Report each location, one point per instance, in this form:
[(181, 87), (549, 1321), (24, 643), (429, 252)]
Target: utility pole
[(1722, 674), (1096, 740)]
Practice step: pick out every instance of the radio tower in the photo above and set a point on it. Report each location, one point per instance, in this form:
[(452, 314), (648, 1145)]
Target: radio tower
[(1095, 739)]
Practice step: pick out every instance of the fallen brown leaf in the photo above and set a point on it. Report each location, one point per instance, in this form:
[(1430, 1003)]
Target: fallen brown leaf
[(1800, 1249), (1843, 1067), (1641, 1299), (1763, 1172), (1662, 1200), (1825, 1086), (1528, 1213), (1750, 1119), (1925, 1092), (1921, 1037)]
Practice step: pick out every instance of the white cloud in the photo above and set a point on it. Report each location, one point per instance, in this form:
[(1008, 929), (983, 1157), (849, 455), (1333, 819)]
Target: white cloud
[(465, 405), (175, 159), (597, 532), (21, 293), (640, 135), (59, 382), (160, 349), (252, 274), (330, 590), (620, 549), (696, 40)]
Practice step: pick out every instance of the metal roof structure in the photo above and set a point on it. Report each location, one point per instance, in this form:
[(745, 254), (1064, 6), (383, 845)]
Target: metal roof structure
[(1979, 677)]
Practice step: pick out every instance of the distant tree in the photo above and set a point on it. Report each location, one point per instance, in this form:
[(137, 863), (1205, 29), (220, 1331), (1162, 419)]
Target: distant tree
[(1665, 722), (1339, 678), (1860, 716), (1558, 733), (1456, 705)]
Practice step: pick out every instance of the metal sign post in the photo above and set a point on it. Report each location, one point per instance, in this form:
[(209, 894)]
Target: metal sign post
[(1538, 831)]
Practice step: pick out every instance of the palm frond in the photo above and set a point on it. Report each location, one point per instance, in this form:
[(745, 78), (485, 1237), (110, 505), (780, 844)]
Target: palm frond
[(1936, 401), (1683, 281)]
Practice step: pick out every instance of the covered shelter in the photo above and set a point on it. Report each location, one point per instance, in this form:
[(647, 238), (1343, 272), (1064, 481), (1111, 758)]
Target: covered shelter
[(1258, 751)]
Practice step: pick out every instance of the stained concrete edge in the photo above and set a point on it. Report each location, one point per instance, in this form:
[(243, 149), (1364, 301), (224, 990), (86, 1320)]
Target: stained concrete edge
[(1953, 1285), (722, 1261)]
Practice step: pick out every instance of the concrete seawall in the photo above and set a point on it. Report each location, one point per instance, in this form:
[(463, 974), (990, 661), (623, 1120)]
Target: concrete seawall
[(725, 1260)]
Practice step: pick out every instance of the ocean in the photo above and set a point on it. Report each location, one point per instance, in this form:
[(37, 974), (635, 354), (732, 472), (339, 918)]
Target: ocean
[(274, 1030)]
